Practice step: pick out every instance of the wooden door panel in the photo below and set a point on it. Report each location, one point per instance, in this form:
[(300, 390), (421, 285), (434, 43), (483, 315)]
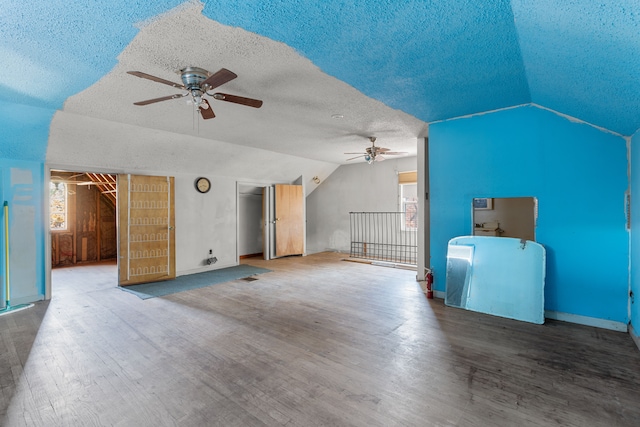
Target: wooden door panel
[(146, 229), (289, 210)]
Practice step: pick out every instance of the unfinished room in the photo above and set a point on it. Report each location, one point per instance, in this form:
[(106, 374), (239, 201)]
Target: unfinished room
[(337, 213)]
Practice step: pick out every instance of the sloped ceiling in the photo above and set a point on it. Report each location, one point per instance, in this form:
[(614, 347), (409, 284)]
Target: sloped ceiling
[(299, 99), (389, 67), (582, 58)]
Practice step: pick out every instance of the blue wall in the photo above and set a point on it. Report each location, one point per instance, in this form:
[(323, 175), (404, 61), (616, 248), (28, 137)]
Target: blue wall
[(635, 231), (51, 50), (23, 146), (577, 173), (21, 186)]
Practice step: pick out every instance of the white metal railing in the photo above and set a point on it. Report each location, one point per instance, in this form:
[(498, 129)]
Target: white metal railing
[(384, 236)]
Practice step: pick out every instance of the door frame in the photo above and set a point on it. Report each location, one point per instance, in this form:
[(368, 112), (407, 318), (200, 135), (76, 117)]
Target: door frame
[(241, 187), (265, 221), (268, 219), (47, 235)]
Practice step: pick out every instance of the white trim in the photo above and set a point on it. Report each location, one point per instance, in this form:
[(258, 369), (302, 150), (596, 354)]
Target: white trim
[(204, 269), (46, 178), (532, 104), (580, 320), (634, 336), (482, 113), (47, 235), (628, 202), (576, 120), (585, 320), (239, 185), (423, 251), (129, 182)]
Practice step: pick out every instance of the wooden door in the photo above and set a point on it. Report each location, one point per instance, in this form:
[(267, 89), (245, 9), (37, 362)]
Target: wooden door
[(289, 220), (146, 229)]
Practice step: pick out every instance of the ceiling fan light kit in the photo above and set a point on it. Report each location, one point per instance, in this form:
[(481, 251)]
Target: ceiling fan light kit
[(197, 82), (375, 153)]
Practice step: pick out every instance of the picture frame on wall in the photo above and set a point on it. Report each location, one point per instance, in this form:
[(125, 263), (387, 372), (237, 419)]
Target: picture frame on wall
[(483, 204)]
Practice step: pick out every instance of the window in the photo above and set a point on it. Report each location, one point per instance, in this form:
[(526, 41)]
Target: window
[(57, 206), (409, 198), (408, 183)]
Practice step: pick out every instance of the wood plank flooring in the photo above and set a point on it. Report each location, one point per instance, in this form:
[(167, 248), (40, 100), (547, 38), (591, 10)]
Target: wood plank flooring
[(316, 342)]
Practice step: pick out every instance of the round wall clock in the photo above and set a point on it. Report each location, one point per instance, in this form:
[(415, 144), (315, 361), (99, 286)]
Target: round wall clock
[(203, 185)]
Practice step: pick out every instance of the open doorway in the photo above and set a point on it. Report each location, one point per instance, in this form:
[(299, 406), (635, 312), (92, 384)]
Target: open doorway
[(505, 217), (271, 220), (82, 221), (250, 221)]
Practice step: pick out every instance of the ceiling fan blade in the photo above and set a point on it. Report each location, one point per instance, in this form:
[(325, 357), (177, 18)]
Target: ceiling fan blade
[(357, 157), (379, 158), (217, 79), (394, 153), (381, 149), (356, 153), (249, 102), (155, 79), (164, 98), (205, 110)]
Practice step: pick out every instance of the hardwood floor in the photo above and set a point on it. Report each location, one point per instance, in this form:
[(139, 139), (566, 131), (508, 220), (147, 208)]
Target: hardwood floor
[(315, 342)]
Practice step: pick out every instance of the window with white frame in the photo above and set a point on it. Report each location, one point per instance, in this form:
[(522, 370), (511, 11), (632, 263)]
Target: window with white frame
[(57, 206), (408, 183)]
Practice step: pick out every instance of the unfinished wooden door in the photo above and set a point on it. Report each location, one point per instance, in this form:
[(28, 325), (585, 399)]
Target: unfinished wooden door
[(289, 220), (146, 229)]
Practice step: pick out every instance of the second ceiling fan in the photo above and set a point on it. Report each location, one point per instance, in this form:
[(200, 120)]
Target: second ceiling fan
[(375, 153), (197, 82)]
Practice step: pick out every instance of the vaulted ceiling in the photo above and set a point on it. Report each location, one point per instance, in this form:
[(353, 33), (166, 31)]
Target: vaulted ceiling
[(388, 67)]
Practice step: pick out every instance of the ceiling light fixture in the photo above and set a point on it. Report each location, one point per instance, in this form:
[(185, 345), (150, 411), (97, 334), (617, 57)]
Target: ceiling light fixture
[(316, 179)]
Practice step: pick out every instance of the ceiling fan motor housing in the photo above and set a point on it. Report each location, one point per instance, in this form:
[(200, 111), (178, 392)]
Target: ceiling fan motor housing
[(192, 78)]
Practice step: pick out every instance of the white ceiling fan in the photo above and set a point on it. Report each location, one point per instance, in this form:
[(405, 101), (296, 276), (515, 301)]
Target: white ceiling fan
[(375, 153)]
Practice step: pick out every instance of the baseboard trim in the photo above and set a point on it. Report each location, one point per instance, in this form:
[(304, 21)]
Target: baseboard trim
[(580, 320), (439, 294), (256, 255), (26, 300), (203, 269), (634, 336), (587, 321)]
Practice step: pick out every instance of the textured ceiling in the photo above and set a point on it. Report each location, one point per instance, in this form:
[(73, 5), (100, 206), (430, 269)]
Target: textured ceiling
[(582, 58), (432, 59), (388, 66), (299, 99)]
